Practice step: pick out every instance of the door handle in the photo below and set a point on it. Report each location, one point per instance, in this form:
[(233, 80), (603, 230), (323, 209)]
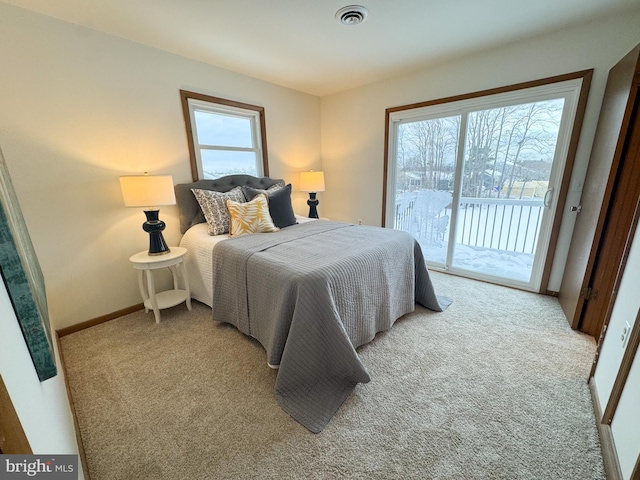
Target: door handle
[(547, 198)]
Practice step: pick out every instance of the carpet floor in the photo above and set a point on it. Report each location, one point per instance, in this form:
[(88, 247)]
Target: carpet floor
[(495, 387)]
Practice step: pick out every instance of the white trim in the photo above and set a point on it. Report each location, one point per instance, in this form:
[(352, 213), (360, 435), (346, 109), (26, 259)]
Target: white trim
[(568, 90), (608, 447), (515, 97), (231, 111)]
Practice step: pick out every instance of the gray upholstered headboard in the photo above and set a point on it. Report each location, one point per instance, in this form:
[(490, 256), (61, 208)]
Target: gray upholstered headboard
[(190, 213)]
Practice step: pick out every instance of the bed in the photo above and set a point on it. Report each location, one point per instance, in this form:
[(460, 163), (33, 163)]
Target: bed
[(311, 293)]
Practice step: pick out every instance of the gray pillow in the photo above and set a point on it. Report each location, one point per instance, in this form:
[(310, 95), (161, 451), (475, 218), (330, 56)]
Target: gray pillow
[(280, 207), (214, 208)]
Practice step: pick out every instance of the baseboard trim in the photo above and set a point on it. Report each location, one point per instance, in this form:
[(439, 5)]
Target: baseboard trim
[(72, 405), (97, 321), (608, 447)]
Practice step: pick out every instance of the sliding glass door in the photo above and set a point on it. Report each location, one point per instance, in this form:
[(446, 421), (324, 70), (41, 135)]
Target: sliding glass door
[(425, 171), (475, 180)]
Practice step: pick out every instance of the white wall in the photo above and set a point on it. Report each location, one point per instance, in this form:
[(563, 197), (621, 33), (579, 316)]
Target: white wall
[(353, 121), (78, 109), (626, 420), (42, 407), (624, 310)]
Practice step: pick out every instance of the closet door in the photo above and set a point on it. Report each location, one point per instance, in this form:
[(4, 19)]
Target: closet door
[(601, 236)]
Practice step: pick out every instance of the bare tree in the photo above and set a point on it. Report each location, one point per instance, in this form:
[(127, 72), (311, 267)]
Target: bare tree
[(430, 142), (498, 143), (402, 183), (535, 129)]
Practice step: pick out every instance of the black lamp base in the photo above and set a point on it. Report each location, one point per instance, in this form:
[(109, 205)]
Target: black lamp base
[(313, 204), (154, 227)]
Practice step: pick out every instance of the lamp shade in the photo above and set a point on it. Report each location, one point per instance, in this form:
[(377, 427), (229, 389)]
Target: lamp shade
[(312, 181), (147, 190)]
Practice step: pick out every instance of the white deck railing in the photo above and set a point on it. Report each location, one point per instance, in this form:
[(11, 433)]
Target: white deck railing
[(504, 224)]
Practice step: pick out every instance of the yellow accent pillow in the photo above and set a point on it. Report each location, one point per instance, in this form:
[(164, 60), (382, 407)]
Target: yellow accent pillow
[(250, 217)]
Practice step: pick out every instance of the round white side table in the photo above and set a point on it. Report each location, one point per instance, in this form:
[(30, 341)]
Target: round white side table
[(174, 261)]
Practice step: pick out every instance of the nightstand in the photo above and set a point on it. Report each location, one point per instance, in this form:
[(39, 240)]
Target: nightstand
[(146, 264)]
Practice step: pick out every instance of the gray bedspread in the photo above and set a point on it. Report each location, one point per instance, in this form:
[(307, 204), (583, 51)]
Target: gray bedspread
[(311, 294)]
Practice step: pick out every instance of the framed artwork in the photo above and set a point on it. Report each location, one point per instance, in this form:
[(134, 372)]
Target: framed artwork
[(23, 279)]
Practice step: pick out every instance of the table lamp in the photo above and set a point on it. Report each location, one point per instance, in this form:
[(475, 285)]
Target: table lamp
[(150, 191), (312, 182)]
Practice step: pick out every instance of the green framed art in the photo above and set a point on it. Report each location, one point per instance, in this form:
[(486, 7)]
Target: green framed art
[(23, 279)]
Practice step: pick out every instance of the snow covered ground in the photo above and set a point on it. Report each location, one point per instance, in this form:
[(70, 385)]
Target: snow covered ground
[(500, 263), (494, 237)]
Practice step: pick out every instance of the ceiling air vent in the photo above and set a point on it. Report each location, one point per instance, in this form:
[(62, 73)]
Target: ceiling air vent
[(352, 15)]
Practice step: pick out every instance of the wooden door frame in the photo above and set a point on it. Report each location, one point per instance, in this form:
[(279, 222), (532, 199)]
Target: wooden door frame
[(601, 181), (618, 222), (574, 137), (13, 440), (630, 157), (623, 373)]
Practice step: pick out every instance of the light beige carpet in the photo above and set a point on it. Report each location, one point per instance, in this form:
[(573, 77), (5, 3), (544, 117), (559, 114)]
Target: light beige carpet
[(493, 388)]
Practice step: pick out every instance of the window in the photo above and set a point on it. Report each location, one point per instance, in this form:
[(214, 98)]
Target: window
[(225, 137), (478, 179)]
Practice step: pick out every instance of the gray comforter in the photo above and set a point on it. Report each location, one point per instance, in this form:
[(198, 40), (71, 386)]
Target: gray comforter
[(311, 294)]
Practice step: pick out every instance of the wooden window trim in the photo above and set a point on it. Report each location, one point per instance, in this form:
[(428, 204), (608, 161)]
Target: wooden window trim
[(184, 98), (585, 75)]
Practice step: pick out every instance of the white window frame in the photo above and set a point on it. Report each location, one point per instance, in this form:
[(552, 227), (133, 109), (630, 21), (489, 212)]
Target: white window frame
[(568, 90), (573, 88), (192, 102)]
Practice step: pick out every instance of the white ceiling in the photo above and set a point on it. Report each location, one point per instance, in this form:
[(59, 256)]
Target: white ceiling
[(299, 44)]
